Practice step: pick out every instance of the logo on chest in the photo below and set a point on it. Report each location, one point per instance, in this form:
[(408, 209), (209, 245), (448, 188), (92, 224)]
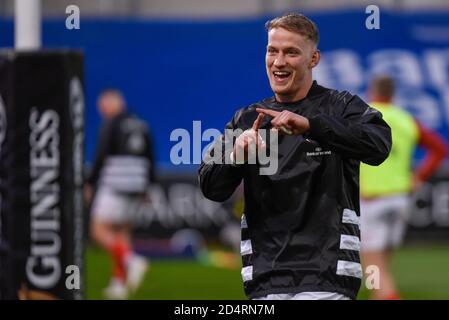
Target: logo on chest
[(314, 149)]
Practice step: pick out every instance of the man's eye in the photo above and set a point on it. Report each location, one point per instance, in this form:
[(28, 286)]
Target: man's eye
[(271, 50), (293, 53)]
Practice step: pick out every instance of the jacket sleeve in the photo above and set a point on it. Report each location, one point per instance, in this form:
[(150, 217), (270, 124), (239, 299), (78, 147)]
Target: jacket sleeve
[(436, 148), (217, 179), (150, 154), (358, 132), (103, 149)]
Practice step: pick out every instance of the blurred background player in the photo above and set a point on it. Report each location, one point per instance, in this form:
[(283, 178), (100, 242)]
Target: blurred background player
[(385, 189), (121, 173)]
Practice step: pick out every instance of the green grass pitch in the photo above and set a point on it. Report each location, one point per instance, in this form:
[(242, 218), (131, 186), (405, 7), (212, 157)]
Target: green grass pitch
[(421, 271)]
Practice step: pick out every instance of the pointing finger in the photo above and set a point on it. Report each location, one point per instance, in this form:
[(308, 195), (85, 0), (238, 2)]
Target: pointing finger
[(258, 121), (268, 112)]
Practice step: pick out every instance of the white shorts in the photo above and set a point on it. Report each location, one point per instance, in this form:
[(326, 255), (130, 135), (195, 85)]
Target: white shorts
[(305, 296), (383, 222), (114, 207)]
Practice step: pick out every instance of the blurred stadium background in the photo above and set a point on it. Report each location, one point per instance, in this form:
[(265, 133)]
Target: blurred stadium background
[(190, 60)]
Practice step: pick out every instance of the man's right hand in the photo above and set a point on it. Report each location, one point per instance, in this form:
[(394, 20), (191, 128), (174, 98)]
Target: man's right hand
[(88, 193), (246, 139)]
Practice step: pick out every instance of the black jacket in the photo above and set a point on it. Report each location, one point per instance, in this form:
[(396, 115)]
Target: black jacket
[(300, 227), (124, 161)]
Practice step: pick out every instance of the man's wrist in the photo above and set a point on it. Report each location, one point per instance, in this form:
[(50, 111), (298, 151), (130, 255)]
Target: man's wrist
[(306, 125), (315, 127)]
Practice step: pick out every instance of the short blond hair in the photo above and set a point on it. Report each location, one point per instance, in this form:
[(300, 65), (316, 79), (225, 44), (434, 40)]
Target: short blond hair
[(297, 23)]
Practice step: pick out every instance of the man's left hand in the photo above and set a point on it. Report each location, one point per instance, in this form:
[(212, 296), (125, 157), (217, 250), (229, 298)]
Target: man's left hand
[(286, 121)]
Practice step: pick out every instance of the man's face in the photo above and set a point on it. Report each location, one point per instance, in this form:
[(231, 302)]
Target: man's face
[(289, 61), (109, 105)]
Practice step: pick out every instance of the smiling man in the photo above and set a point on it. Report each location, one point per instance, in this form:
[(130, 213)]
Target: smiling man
[(300, 227)]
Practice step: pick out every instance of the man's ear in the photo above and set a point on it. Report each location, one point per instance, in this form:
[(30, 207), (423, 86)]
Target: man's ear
[(315, 59)]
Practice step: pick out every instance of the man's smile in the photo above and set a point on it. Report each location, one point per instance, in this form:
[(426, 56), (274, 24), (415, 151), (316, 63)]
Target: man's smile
[(281, 77)]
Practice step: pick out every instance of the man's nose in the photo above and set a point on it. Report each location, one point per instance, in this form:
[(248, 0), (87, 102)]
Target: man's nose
[(279, 61)]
